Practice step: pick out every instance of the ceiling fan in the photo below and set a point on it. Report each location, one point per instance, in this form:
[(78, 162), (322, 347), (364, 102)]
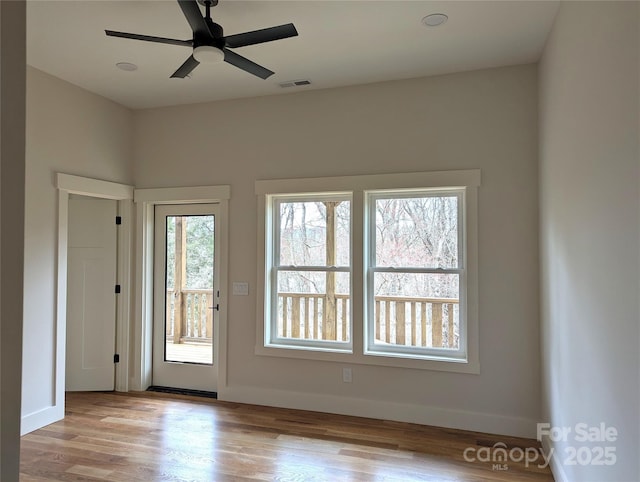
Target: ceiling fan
[(209, 43)]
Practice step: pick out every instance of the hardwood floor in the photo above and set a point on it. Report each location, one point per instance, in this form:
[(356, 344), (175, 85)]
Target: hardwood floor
[(158, 437)]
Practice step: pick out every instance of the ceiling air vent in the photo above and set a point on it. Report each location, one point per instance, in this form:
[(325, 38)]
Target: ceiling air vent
[(294, 83)]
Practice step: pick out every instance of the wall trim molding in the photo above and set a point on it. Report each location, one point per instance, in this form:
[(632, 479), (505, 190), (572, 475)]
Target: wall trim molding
[(183, 195), (85, 186), (41, 418), (555, 464), (426, 179)]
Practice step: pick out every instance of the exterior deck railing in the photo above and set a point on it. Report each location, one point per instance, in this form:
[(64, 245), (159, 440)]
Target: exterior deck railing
[(406, 321), (303, 315), (189, 316)]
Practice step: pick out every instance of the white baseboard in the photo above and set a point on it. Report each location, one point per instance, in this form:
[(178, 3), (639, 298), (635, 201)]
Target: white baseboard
[(401, 412), (556, 467), (41, 418)]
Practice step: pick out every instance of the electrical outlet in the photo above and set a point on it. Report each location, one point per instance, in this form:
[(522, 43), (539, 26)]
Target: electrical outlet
[(347, 375)]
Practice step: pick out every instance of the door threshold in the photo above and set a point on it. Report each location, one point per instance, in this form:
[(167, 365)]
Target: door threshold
[(183, 391)]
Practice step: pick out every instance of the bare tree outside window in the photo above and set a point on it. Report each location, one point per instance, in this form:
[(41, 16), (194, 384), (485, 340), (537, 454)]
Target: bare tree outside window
[(413, 270), (313, 279), (415, 284)]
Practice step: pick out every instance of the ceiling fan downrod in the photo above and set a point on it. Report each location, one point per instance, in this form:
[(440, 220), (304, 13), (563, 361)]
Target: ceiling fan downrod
[(208, 4)]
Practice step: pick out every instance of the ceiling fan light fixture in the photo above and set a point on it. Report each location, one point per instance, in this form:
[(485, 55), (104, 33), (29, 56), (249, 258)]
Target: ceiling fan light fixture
[(207, 54)]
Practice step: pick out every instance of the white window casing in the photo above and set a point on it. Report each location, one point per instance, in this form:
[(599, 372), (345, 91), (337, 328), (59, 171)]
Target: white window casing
[(363, 191)]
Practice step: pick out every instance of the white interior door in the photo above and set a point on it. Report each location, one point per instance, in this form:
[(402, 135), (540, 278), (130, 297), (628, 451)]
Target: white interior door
[(91, 298), (186, 297)]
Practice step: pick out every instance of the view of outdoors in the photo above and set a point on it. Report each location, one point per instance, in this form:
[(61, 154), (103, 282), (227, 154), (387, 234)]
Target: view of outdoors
[(417, 308), (413, 305), (199, 255), (189, 286), (314, 304)]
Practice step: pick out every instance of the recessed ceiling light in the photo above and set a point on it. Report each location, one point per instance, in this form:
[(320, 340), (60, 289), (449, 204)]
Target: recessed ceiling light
[(127, 66), (434, 20)]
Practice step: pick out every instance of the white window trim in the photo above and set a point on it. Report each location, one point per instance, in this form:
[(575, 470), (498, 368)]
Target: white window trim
[(358, 185)]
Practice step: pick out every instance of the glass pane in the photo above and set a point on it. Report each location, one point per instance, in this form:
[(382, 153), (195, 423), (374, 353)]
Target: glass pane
[(189, 283), (314, 305), (419, 310), (314, 233), (417, 232)]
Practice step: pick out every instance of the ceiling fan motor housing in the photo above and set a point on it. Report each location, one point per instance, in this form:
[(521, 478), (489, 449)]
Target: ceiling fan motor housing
[(216, 30), (216, 39)]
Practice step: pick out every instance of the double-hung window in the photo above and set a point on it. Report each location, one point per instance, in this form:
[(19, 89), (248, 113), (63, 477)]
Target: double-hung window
[(309, 267), (415, 273), (373, 269)]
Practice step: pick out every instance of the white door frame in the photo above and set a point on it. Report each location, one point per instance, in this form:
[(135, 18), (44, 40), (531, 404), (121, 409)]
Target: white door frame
[(68, 184), (146, 200)]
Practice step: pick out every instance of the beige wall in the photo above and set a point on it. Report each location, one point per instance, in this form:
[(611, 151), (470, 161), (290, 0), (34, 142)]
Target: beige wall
[(589, 223), (12, 132), (485, 119), (589, 220), (72, 131)]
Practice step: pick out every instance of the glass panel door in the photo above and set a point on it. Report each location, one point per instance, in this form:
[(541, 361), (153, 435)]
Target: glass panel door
[(189, 289), (186, 298)]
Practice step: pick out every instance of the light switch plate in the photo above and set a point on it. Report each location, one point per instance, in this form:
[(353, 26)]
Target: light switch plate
[(240, 288)]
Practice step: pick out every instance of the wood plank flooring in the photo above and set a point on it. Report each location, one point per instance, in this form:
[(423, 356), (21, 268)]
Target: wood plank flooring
[(157, 437)]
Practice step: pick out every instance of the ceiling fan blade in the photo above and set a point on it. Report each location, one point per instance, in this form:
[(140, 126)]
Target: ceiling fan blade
[(246, 64), (186, 68), (149, 38), (261, 36), (194, 16)]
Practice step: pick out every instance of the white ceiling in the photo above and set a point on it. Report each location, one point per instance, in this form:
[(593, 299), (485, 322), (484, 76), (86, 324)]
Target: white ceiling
[(340, 43)]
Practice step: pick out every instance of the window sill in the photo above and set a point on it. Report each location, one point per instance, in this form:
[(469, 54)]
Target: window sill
[(413, 362), (415, 356), (305, 349)]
